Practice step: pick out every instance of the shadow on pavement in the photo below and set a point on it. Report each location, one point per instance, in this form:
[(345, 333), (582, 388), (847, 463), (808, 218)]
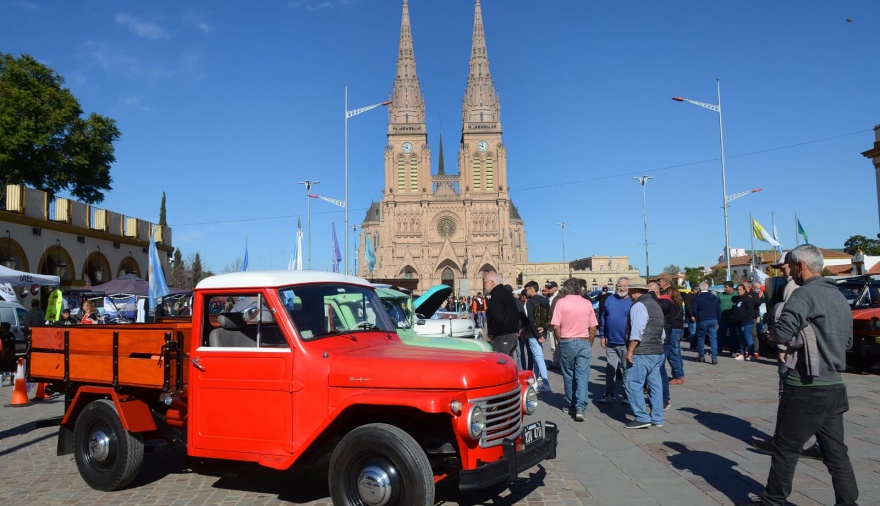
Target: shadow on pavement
[(719, 472), (496, 495), (727, 424)]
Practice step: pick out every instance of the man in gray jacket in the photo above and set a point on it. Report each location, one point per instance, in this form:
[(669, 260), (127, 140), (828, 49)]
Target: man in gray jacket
[(814, 398)]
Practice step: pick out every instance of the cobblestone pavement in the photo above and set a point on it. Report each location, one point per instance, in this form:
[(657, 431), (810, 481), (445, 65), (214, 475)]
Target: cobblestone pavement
[(701, 456)]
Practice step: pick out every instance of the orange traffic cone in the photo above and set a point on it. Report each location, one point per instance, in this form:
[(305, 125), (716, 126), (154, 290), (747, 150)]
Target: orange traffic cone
[(19, 392), (41, 393)]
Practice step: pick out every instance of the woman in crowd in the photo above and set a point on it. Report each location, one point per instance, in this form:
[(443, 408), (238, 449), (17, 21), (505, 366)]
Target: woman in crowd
[(89, 316), (743, 320)]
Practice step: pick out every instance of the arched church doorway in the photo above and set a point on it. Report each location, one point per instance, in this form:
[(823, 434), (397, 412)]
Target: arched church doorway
[(447, 277)]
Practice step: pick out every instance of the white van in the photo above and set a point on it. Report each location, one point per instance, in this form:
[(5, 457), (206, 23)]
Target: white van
[(17, 317)]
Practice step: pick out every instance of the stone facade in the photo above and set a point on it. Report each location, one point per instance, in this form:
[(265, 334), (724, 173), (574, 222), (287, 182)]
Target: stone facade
[(444, 228)]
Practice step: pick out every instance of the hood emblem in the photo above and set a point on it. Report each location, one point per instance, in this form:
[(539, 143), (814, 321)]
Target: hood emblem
[(362, 380), (501, 361)]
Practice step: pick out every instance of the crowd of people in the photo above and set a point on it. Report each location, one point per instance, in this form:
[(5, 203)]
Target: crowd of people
[(640, 325)]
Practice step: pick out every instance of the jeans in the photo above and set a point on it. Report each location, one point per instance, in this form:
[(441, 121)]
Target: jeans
[(692, 334), (536, 350), (744, 332), (526, 360), (804, 411), (705, 327), (664, 377), (574, 360), (615, 357), (673, 354), (645, 369)]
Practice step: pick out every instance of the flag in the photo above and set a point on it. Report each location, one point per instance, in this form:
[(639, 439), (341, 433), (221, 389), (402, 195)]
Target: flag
[(762, 235), (244, 262), (370, 255), (156, 279), (299, 246), (803, 232), (334, 249), (760, 276)]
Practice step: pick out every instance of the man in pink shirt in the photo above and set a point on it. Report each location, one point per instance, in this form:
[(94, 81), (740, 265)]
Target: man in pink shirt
[(574, 327)]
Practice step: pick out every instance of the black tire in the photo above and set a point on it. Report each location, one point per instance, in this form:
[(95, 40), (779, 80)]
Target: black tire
[(372, 453), (861, 362), (108, 456)]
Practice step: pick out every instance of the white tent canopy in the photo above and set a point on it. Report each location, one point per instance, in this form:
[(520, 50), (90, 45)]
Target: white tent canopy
[(15, 277)]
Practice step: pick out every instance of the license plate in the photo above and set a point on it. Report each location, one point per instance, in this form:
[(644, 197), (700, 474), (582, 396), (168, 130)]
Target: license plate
[(532, 433)]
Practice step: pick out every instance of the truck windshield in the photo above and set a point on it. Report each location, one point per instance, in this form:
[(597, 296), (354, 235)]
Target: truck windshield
[(860, 295), (325, 309)]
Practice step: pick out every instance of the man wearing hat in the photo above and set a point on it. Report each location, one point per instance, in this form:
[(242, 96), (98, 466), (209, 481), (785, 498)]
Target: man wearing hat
[(644, 356), (551, 290)]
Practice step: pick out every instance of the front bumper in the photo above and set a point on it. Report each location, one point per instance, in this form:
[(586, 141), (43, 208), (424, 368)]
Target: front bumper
[(508, 467)]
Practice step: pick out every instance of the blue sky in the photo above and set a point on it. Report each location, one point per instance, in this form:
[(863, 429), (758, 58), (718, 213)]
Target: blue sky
[(224, 106)]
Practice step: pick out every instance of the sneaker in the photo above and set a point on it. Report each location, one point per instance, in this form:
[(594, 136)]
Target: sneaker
[(579, 416), (676, 381), (635, 424), (738, 357), (753, 358), (668, 404), (701, 358), (658, 425), (607, 399), (714, 361)]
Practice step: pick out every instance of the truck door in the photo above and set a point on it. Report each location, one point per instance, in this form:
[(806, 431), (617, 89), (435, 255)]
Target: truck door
[(240, 382)]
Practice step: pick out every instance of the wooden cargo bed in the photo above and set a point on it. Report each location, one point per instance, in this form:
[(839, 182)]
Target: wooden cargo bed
[(139, 355)]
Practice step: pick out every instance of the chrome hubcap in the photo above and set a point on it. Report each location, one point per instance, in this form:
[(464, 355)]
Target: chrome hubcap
[(374, 486), (99, 446)]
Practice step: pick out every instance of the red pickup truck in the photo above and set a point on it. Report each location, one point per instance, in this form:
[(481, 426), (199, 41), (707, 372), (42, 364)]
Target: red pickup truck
[(301, 368)]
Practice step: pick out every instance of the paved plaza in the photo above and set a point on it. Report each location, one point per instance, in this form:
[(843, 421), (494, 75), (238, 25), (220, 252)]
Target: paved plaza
[(701, 456)]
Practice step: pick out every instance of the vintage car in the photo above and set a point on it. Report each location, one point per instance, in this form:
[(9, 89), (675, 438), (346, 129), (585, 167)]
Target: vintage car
[(432, 323), (401, 310), (863, 295)]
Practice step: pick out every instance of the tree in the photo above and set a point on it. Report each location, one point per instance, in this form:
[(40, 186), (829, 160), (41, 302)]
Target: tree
[(197, 273), (163, 222), (718, 276), (672, 270), (178, 271), (45, 142), (860, 242), (693, 275), (233, 266)]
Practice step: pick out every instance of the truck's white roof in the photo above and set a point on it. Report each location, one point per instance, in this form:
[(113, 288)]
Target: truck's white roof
[(257, 279)]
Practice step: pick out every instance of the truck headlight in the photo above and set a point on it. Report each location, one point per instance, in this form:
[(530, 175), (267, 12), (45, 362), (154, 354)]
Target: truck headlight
[(529, 400), (476, 422), (875, 323)]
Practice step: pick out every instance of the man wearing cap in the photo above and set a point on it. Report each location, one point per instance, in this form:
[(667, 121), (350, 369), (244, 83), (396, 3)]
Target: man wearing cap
[(550, 292), (707, 312), (816, 328), (574, 325), (644, 356), (502, 316)]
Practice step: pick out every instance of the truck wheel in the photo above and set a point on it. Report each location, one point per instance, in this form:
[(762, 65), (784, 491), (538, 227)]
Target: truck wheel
[(108, 456), (861, 362), (379, 464)]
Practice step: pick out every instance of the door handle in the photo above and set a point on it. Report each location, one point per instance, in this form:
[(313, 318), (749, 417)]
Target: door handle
[(195, 362)]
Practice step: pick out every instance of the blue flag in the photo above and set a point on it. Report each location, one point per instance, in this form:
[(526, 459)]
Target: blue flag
[(245, 261), (370, 255), (334, 249), (156, 278)]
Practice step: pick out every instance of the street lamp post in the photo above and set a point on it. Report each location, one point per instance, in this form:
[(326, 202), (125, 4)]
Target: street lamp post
[(354, 229), (350, 114), (308, 184), (562, 224), (717, 108), (644, 181)]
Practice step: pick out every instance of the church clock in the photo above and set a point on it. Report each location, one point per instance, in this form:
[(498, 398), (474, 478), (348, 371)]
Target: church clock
[(407, 147)]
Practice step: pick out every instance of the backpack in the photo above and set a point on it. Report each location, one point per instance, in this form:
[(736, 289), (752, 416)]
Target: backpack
[(541, 316)]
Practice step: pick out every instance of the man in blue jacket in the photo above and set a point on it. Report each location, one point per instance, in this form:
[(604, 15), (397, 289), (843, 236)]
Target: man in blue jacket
[(612, 336), (707, 313)]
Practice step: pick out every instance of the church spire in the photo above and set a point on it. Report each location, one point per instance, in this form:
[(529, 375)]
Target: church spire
[(441, 169), (481, 110), (407, 107)]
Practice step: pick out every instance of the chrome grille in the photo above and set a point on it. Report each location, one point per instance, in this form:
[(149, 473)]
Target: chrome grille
[(503, 417)]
